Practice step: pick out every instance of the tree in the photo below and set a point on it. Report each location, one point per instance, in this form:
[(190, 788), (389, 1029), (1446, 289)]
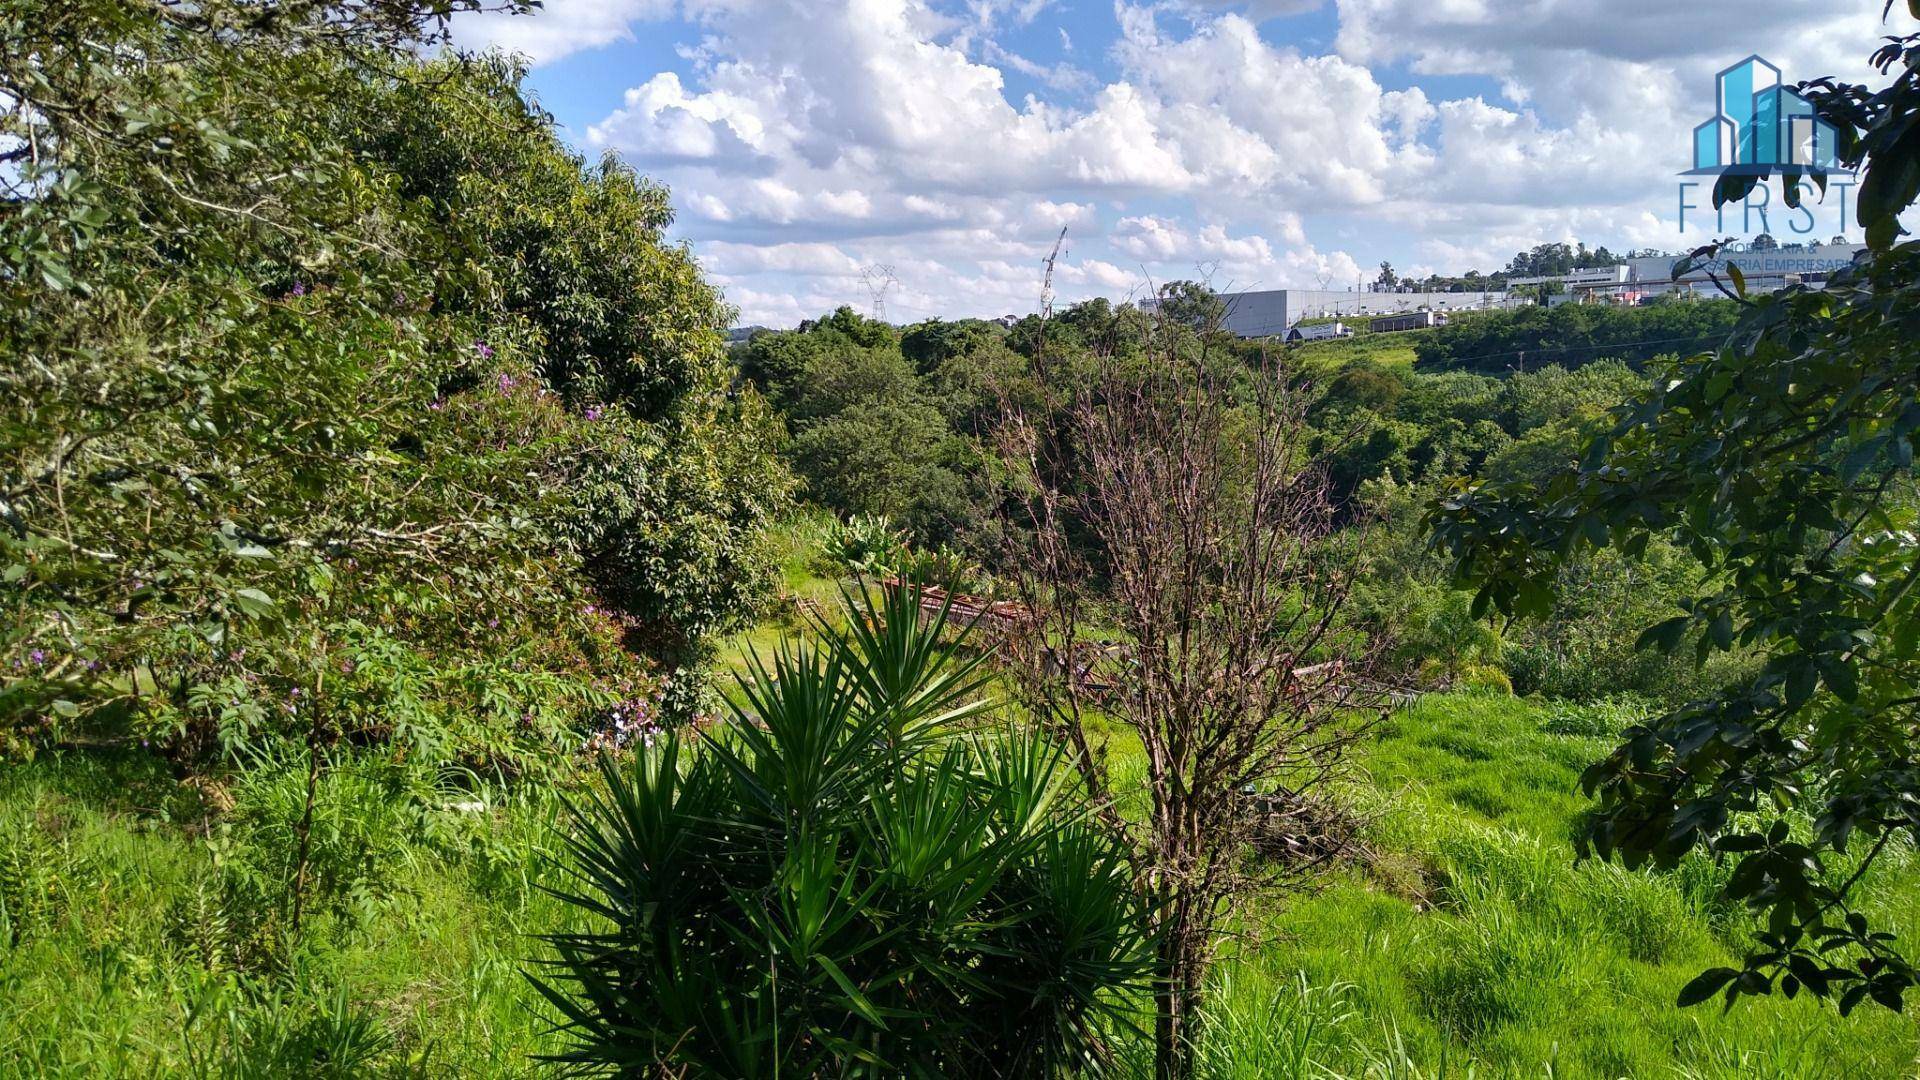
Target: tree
[(1178, 497), (868, 435), (1783, 463), (1387, 279), (1764, 242), (1191, 304), (273, 273), (861, 879)]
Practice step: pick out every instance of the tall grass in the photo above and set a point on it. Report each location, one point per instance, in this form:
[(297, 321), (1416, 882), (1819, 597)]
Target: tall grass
[(1471, 945), (1475, 945), (139, 933)]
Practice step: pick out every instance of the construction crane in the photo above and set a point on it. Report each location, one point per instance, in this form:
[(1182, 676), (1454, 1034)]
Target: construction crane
[(1046, 283)]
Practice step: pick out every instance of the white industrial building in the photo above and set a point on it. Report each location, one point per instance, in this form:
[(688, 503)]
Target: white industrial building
[(1270, 313), (1764, 271)]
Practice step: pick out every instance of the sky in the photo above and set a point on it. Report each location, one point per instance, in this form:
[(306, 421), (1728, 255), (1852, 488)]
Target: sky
[(817, 148)]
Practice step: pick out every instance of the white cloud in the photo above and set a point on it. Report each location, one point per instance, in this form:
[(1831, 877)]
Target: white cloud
[(561, 28), (834, 135)]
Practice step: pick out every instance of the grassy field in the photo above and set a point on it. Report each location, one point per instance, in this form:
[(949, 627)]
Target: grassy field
[(1388, 350), (1474, 946), (1468, 945)]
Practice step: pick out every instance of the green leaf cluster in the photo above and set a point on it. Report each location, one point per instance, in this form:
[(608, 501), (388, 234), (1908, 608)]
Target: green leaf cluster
[(858, 878)]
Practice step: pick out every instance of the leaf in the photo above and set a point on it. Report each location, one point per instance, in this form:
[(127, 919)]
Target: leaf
[(1732, 188), (254, 603), (1705, 985), (1721, 630), (854, 997), (1664, 636)]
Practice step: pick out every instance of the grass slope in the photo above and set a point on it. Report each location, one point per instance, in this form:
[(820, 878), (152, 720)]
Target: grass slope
[(1477, 947), (124, 953), (1473, 946), (1394, 350)]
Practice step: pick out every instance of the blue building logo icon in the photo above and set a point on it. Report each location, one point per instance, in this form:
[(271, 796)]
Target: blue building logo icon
[(1760, 127)]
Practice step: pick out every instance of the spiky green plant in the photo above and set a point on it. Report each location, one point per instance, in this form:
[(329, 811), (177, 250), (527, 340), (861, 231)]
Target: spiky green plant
[(860, 876)]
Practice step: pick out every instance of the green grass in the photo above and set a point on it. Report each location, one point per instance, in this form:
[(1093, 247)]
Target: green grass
[(1475, 945), (120, 949), (1387, 350), (1471, 945)]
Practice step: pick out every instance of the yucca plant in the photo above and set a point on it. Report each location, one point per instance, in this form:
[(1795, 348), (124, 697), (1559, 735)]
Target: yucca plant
[(863, 875)]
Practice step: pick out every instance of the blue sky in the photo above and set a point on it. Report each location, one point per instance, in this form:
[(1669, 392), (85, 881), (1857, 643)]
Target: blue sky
[(1263, 143)]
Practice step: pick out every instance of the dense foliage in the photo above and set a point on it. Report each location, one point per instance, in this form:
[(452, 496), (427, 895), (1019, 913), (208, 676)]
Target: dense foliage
[(847, 882), (365, 454), (334, 381), (1783, 463), (1519, 339)]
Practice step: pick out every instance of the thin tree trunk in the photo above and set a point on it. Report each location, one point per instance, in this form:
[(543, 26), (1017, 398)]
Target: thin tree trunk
[(303, 829)]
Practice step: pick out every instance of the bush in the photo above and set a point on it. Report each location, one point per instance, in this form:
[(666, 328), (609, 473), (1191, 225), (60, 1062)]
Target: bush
[(453, 376), (1485, 678), (1572, 335), (842, 883), (867, 544)]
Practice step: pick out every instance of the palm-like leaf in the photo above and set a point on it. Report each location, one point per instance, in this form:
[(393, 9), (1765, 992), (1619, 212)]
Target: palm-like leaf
[(837, 885)]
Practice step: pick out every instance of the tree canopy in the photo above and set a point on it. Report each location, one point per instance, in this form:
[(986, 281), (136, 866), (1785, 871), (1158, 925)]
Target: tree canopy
[(1782, 462)]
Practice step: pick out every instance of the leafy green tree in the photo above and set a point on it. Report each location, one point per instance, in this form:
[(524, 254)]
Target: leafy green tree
[(930, 344), (292, 418), (1191, 305), (858, 880), (869, 436), (1782, 463), (1521, 339), (669, 498)]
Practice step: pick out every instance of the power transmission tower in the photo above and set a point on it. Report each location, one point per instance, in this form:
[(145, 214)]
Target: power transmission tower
[(1046, 283), (879, 278)]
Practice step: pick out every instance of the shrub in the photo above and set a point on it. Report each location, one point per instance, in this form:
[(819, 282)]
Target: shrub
[(945, 568), (1485, 678), (844, 883), (867, 544), (1572, 335)]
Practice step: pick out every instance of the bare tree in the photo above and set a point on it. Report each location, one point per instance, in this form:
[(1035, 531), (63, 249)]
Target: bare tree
[(1174, 507)]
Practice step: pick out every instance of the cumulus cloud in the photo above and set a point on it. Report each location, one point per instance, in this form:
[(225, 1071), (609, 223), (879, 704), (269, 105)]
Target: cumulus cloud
[(563, 27), (830, 136)]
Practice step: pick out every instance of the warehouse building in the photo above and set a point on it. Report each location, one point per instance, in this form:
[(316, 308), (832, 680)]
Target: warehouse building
[(1764, 270), (1270, 313), (1412, 320)]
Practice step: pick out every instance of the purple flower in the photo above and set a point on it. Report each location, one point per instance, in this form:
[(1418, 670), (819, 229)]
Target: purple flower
[(485, 350), (299, 288), (593, 412), (506, 383), (38, 656), (348, 665), (436, 404)]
